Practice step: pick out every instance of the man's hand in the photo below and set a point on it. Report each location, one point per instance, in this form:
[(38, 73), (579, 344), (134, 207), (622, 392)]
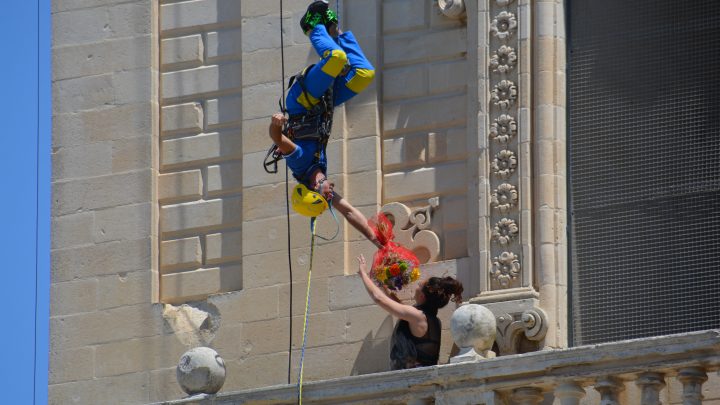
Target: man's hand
[(278, 120)]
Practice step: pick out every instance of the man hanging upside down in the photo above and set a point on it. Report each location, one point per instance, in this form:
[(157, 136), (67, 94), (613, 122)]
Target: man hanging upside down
[(342, 72)]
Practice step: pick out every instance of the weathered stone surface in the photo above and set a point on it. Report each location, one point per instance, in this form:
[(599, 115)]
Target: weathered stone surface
[(199, 12), (187, 49), (180, 253), (224, 112), (403, 48), (73, 297), (103, 123), (76, 230), (131, 154), (197, 284), (347, 292), (82, 363), (205, 79), (426, 181), (247, 305), (116, 55), (210, 214), (225, 178), (101, 259), (201, 148), (180, 185), (223, 247), (116, 390), (182, 117), (224, 44), (101, 23), (123, 223), (137, 355), (101, 192), (125, 288), (201, 370)]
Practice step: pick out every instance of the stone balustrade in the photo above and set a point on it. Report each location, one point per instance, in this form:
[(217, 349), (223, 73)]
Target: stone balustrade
[(597, 373)]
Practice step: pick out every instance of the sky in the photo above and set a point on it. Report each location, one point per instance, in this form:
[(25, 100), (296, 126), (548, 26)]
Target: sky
[(25, 202)]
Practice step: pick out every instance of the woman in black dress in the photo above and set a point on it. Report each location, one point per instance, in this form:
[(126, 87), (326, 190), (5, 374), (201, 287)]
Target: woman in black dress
[(416, 339)]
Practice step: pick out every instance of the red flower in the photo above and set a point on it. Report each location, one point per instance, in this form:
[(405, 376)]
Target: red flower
[(395, 269)]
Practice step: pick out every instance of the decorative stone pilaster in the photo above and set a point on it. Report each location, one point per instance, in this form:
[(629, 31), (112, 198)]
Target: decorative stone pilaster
[(569, 393), (609, 388), (530, 325), (650, 385), (692, 379)]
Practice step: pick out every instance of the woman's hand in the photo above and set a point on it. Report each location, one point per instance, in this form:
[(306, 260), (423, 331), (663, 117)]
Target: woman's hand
[(362, 265)]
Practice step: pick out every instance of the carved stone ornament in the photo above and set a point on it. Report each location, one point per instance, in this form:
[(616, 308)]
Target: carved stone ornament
[(504, 25), (503, 2), (505, 231), (452, 8), (504, 94), (503, 60), (503, 128), (506, 268), (504, 163), (504, 198), (412, 229), (530, 324)]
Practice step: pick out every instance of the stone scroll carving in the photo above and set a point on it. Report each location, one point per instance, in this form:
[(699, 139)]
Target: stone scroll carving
[(412, 228), (452, 8), (521, 332)]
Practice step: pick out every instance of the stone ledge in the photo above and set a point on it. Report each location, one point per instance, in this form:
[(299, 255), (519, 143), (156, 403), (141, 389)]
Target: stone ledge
[(583, 364)]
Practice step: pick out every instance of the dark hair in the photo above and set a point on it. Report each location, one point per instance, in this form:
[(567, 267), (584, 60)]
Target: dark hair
[(438, 291)]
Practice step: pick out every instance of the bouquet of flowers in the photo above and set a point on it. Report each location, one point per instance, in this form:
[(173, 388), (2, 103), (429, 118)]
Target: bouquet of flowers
[(393, 265)]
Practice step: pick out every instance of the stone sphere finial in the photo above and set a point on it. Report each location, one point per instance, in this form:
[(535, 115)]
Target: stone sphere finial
[(201, 371), (473, 327)]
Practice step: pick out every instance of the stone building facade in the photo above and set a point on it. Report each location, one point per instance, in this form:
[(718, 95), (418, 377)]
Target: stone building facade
[(167, 234)]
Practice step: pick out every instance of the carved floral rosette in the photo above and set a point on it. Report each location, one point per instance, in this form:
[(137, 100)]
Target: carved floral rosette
[(506, 265)]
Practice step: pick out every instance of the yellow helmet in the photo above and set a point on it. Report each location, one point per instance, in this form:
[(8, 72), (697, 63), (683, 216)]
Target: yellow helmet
[(306, 202)]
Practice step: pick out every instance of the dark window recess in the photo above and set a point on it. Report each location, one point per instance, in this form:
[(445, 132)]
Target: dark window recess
[(644, 160)]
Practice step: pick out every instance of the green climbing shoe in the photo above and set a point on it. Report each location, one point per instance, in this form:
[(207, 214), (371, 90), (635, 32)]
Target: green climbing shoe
[(315, 14)]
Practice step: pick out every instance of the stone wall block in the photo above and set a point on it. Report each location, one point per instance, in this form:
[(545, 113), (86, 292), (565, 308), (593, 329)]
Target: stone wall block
[(447, 144), (123, 223), (93, 328), (164, 385), (403, 15), (224, 112), (199, 12), (68, 5), (101, 23), (363, 154), (447, 76), (197, 284), (258, 98), (83, 365), (216, 146), (186, 117), (424, 113), (131, 154), (133, 86), (347, 292), (404, 82), (255, 137), (89, 160), (326, 328), (247, 305), (104, 124), (365, 188), (224, 44), (258, 371), (426, 181), (210, 214), (435, 44), (137, 355), (297, 57), (180, 253), (361, 17), (124, 289), (102, 259), (223, 247), (72, 61), (260, 33), (407, 150), (73, 297), (362, 120), (224, 178), (180, 185), (368, 322), (318, 296), (201, 80), (83, 93), (187, 49), (269, 235), (254, 175), (118, 390), (265, 201), (264, 337), (75, 229)]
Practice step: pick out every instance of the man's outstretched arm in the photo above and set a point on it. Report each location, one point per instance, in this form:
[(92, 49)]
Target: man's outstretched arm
[(284, 144), (355, 218)]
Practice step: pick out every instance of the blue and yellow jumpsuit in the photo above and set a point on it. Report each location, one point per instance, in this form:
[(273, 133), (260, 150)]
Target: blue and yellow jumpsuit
[(327, 72)]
